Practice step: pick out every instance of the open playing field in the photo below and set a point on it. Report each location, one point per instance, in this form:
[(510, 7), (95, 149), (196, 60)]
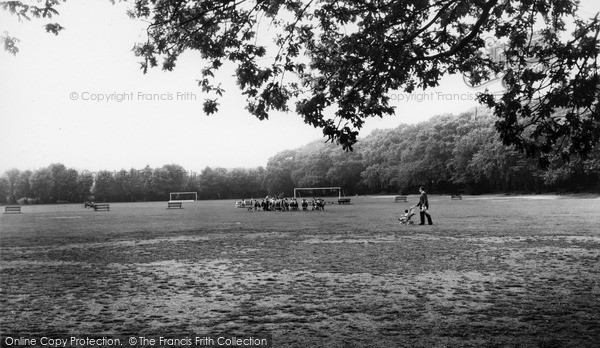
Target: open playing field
[(493, 271)]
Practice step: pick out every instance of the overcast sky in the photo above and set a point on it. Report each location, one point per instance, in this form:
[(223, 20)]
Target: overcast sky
[(50, 112)]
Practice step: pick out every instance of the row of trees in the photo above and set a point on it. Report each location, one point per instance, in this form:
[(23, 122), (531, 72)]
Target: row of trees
[(447, 154), (155, 184), (56, 183)]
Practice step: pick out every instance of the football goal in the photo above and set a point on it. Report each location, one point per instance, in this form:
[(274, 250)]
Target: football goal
[(310, 192), (183, 197)]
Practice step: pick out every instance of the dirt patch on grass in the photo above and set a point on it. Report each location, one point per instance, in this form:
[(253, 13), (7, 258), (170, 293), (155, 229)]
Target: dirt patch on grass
[(322, 286)]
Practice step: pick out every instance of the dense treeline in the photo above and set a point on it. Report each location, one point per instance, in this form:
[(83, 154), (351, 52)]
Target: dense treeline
[(57, 184), (447, 154), (53, 184), (464, 154)]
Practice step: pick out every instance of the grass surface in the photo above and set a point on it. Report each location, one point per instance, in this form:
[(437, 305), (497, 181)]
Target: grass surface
[(492, 271)]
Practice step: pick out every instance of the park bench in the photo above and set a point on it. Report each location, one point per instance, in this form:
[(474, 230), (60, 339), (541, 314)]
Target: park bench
[(457, 196), (13, 209), (174, 205), (101, 206), (400, 199), (344, 201)]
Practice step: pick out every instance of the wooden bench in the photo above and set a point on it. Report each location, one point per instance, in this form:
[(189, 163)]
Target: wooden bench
[(400, 199), (13, 209), (172, 205), (458, 196), (344, 201), (101, 206)]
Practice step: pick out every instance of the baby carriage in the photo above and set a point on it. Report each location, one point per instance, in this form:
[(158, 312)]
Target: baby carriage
[(405, 220)]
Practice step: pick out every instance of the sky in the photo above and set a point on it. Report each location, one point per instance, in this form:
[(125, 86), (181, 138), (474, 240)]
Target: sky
[(80, 99)]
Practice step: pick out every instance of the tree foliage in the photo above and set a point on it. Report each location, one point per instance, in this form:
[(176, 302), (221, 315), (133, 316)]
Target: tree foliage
[(447, 154), (349, 55), (55, 183), (335, 62), (26, 11)]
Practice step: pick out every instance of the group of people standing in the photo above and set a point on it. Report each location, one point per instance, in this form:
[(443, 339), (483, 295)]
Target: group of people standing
[(285, 204), (281, 204)]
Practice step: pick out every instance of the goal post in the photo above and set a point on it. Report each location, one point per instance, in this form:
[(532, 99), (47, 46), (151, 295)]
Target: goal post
[(329, 191), (183, 196), (311, 191)]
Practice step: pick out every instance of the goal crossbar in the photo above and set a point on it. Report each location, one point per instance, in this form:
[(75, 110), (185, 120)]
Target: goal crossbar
[(296, 189), (183, 196)]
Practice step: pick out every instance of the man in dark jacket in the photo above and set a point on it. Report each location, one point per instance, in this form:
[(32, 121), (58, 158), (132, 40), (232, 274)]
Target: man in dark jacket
[(424, 205)]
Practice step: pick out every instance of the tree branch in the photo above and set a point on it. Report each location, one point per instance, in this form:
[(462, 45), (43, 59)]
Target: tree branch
[(465, 41)]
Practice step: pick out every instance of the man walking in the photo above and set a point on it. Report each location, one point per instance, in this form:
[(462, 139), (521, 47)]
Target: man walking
[(424, 205)]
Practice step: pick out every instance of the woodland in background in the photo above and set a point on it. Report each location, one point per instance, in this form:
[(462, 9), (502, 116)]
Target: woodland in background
[(446, 154)]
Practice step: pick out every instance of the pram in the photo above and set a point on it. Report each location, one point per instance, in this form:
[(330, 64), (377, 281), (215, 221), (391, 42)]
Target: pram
[(405, 220)]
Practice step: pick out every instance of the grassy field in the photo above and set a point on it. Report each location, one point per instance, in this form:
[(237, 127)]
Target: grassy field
[(493, 271)]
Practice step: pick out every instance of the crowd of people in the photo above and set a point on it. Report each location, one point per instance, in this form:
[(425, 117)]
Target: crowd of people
[(292, 204), (281, 204)]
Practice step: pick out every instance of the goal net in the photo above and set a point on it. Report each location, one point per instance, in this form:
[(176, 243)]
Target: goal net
[(183, 197), (317, 192), (332, 193)]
